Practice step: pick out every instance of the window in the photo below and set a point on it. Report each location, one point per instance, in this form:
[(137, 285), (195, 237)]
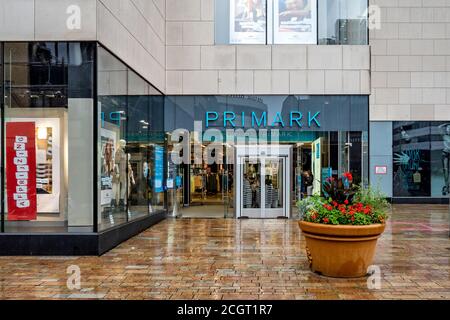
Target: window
[(341, 128), (421, 159), (291, 22), (343, 22), (48, 134), (131, 144)]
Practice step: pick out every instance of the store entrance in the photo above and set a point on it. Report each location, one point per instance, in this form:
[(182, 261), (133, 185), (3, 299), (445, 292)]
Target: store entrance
[(263, 182), (206, 188), (209, 193)]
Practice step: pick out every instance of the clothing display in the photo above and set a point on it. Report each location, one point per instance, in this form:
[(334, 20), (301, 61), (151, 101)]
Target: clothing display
[(212, 183), (269, 195), (120, 178), (417, 178), (257, 197), (131, 181), (44, 178), (247, 196), (198, 183)]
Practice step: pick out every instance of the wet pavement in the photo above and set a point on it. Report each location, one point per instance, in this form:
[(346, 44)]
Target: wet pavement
[(241, 259)]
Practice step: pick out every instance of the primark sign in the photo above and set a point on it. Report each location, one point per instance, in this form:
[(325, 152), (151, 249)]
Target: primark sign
[(293, 119)]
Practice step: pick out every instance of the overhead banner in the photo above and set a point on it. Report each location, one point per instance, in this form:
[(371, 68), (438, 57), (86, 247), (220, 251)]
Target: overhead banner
[(21, 171), (295, 21), (248, 21)]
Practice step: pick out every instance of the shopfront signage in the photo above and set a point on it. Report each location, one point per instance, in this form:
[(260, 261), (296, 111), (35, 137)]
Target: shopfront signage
[(381, 170), (262, 120), (159, 169), (21, 171)]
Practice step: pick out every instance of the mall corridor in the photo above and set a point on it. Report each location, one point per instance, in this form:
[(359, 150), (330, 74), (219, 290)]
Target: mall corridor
[(241, 259)]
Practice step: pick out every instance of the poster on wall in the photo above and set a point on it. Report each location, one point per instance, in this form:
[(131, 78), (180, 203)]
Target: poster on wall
[(248, 21), (48, 162), (20, 171), (295, 21), (108, 143)]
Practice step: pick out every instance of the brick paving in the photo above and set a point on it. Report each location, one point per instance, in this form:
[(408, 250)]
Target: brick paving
[(241, 259)]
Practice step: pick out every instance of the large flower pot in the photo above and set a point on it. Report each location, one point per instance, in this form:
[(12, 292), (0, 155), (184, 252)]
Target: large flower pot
[(340, 251)]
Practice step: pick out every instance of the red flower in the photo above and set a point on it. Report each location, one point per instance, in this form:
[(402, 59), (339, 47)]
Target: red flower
[(346, 202), (325, 220), (349, 176)]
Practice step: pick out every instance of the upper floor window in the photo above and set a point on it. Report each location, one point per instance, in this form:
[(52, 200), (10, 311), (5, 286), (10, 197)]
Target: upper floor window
[(343, 22), (291, 22)]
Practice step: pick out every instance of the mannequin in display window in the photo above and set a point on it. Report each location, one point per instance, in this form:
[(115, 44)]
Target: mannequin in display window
[(120, 175), (131, 181)]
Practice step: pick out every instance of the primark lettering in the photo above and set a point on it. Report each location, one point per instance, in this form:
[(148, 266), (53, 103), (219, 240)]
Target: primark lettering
[(258, 120)]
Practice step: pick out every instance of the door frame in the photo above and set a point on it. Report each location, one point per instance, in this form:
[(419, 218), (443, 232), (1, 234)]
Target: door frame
[(261, 152)]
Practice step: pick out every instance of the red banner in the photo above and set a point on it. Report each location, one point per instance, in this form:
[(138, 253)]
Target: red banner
[(21, 171)]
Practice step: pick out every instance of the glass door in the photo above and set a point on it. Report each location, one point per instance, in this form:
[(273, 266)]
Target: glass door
[(263, 187), (251, 188), (274, 187)]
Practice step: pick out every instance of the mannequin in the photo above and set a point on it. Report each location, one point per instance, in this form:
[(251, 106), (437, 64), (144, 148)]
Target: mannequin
[(445, 131), (120, 174), (131, 181)]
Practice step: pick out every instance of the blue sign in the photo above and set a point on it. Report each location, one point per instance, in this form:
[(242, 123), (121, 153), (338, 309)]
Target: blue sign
[(159, 169), (261, 120), (178, 182)]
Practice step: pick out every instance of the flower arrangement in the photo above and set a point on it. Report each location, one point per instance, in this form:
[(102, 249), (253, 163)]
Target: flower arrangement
[(345, 204), (341, 189)]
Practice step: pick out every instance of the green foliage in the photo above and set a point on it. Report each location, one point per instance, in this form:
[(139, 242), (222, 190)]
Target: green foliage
[(368, 206), (374, 198)]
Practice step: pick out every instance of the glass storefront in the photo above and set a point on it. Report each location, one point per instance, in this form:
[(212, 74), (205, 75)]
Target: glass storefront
[(131, 144), (88, 144), (50, 140), (421, 159), (48, 106), (328, 135)]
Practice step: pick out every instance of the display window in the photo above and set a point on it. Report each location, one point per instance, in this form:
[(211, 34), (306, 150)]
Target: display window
[(421, 159), (44, 109), (132, 179)]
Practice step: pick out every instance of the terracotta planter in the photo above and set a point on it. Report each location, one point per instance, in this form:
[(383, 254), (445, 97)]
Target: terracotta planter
[(340, 251)]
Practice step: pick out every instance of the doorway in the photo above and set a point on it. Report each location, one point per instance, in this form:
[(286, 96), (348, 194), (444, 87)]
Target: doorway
[(263, 182)]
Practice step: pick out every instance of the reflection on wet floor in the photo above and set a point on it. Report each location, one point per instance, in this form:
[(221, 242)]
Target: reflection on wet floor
[(242, 259)]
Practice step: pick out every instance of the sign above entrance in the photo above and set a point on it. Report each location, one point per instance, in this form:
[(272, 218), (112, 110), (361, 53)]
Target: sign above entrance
[(262, 119)]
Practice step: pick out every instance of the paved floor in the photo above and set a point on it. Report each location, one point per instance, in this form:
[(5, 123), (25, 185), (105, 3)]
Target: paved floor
[(248, 259)]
